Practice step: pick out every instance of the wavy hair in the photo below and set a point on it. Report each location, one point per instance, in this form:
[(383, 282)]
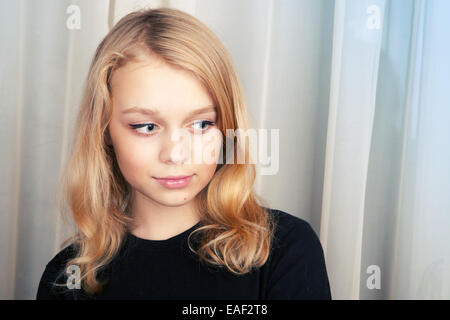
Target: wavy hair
[(236, 228)]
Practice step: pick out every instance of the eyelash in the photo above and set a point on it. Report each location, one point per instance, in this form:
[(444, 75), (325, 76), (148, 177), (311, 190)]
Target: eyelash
[(143, 125)]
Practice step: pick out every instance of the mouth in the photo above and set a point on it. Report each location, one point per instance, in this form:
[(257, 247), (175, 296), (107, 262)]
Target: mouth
[(173, 182), (174, 177)]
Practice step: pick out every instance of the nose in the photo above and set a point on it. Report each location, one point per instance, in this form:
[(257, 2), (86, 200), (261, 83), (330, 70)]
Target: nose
[(175, 147)]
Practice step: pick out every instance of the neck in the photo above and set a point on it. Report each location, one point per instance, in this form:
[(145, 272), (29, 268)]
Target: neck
[(155, 221)]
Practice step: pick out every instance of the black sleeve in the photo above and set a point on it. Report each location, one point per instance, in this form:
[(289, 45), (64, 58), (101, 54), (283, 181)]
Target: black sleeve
[(46, 289), (52, 285), (298, 270)]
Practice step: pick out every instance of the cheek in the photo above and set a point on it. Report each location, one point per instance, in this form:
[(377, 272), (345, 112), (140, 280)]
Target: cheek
[(205, 173), (130, 166), (133, 159), (211, 152)]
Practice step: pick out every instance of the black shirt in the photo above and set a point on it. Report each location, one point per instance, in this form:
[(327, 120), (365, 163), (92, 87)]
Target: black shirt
[(168, 269)]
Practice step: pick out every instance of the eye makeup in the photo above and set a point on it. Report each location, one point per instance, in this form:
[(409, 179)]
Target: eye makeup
[(144, 126)]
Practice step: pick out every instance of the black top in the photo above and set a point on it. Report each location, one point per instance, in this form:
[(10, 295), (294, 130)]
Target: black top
[(167, 269)]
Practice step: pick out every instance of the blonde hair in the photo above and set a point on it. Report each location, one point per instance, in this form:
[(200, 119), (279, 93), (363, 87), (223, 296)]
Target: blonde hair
[(236, 228)]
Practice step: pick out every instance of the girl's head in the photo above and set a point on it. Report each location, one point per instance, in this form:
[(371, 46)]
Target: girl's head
[(172, 66)]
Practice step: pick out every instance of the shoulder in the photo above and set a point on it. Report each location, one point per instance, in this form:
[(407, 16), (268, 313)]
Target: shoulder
[(296, 263), (55, 274), (290, 229), (60, 259)]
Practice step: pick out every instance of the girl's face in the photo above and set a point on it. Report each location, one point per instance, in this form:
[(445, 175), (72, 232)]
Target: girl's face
[(154, 103)]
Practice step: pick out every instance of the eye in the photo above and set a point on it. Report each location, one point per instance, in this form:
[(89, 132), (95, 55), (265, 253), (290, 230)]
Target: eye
[(145, 129), (202, 122)]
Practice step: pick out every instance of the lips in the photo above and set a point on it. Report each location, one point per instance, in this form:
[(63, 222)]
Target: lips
[(175, 182), (174, 177)]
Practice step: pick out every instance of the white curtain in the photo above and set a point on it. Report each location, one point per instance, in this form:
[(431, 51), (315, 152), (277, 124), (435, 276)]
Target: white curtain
[(387, 173), (357, 88)]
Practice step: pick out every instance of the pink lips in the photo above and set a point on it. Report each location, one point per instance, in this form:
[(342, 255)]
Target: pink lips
[(174, 182)]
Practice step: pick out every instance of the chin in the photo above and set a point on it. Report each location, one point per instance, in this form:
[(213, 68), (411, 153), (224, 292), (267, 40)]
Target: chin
[(175, 202)]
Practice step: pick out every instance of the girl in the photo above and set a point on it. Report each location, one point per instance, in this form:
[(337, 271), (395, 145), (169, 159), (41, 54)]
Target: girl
[(151, 223)]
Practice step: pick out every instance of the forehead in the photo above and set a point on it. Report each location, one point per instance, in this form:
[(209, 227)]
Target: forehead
[(148, 81)]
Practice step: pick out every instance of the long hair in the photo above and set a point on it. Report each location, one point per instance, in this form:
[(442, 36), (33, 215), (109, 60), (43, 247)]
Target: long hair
[(236, 227)]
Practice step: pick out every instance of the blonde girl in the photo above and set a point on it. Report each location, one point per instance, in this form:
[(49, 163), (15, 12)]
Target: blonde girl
[(151, 223)]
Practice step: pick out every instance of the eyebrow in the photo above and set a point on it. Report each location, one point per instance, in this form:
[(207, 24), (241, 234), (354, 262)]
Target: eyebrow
[(152, 112)]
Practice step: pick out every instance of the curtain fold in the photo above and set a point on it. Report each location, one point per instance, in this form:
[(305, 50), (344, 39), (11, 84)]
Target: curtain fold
[(355, 66)]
